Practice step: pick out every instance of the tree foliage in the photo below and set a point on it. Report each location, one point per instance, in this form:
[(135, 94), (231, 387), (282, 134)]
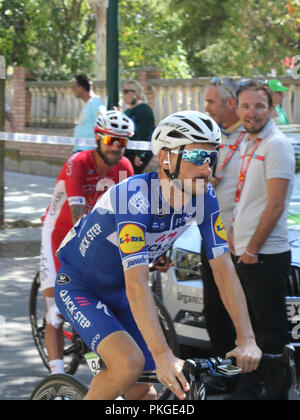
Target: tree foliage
[(190, 38), (148, 37), (201, 23), (259, 36), (53, 38), (239, 37)]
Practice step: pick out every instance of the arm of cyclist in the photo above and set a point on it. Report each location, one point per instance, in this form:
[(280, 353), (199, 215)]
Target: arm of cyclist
[(77, 212), (139, 294), (246, 353)]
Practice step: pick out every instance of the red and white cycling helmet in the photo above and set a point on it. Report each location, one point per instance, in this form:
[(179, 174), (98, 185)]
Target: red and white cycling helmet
[(114, 123)]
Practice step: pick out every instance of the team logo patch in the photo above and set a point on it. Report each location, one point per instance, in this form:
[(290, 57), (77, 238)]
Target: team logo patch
[(63, 279), (219, 229), (131, 239)]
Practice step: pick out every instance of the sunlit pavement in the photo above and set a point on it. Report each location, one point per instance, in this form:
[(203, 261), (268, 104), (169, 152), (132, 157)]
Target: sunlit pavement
[(26, 196), (20, 365)]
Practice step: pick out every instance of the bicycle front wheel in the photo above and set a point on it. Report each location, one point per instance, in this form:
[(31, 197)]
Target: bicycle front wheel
[(59, 387)]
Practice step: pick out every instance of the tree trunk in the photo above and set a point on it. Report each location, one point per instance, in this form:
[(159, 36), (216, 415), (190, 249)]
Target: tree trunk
[(2, 150), (99, 9)]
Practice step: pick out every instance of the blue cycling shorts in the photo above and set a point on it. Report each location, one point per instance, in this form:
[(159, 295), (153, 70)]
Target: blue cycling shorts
[(91, 316)]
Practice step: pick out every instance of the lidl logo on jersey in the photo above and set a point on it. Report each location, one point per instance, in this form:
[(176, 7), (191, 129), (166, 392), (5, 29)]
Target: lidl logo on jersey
[(218, 228), (131, 238)]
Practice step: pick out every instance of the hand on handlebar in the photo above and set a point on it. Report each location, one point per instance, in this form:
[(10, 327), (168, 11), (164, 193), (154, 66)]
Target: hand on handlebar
[(247, 357), (169, 373), (163, 264)]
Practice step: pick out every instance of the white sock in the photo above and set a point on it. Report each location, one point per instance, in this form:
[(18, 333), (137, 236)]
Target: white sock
[(57, 366)]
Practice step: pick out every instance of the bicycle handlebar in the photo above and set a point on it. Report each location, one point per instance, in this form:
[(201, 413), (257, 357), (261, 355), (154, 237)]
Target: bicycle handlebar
[(197, 366), (194, 367)]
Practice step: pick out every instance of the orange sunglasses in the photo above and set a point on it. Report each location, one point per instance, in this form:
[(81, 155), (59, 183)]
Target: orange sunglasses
[(109, 140)]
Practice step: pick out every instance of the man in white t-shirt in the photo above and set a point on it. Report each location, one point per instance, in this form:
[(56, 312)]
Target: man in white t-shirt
[(259, 237), (93, 106)]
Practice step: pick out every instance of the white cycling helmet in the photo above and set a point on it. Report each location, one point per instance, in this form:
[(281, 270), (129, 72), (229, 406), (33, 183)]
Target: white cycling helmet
[(115, 123), (184, 128)]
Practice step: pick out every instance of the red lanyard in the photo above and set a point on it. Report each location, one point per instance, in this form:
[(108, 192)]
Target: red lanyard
[(243, 172), (231, 152)]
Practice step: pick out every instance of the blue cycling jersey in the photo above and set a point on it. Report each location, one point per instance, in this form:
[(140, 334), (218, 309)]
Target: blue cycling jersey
[(132, 225)]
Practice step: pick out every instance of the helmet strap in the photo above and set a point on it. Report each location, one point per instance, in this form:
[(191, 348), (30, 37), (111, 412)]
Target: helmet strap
[(175, 174)]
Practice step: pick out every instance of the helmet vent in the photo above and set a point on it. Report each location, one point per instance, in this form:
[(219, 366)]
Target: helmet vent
[(198, 137), (208, 123), (176, 135), (157, 136), (192, 124)]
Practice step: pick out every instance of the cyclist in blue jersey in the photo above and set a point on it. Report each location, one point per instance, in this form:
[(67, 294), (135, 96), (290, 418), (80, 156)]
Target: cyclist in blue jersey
[(102, 287)]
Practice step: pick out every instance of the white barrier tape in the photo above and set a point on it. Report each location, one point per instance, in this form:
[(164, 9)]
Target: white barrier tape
[(66, 141)]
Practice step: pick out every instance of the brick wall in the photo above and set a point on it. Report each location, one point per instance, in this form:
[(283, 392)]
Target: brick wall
[(48, 151), (21, 98), (50, 155), (56, 154)]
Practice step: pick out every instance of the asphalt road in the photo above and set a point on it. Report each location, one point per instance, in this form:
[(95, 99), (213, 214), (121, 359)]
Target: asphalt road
[(20, 365)]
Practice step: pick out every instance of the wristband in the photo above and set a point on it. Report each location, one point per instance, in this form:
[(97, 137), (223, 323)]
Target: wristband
[(251, 255)]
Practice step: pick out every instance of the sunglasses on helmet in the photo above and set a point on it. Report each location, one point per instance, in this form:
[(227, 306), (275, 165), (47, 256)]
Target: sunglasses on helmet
[(246, 82), (110, 140), (197, 156), (225, 83)]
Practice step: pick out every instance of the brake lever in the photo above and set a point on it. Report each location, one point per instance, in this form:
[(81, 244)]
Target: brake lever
[(288, 356)]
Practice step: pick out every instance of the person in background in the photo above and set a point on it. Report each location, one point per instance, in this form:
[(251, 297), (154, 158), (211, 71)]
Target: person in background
[(142, 116), (220, 105), (9, 117), (278, 90), (259, 237), (83, 179), (93, 106)]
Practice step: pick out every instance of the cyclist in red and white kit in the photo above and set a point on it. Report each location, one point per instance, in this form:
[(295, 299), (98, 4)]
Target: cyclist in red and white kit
[(83, 179)]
